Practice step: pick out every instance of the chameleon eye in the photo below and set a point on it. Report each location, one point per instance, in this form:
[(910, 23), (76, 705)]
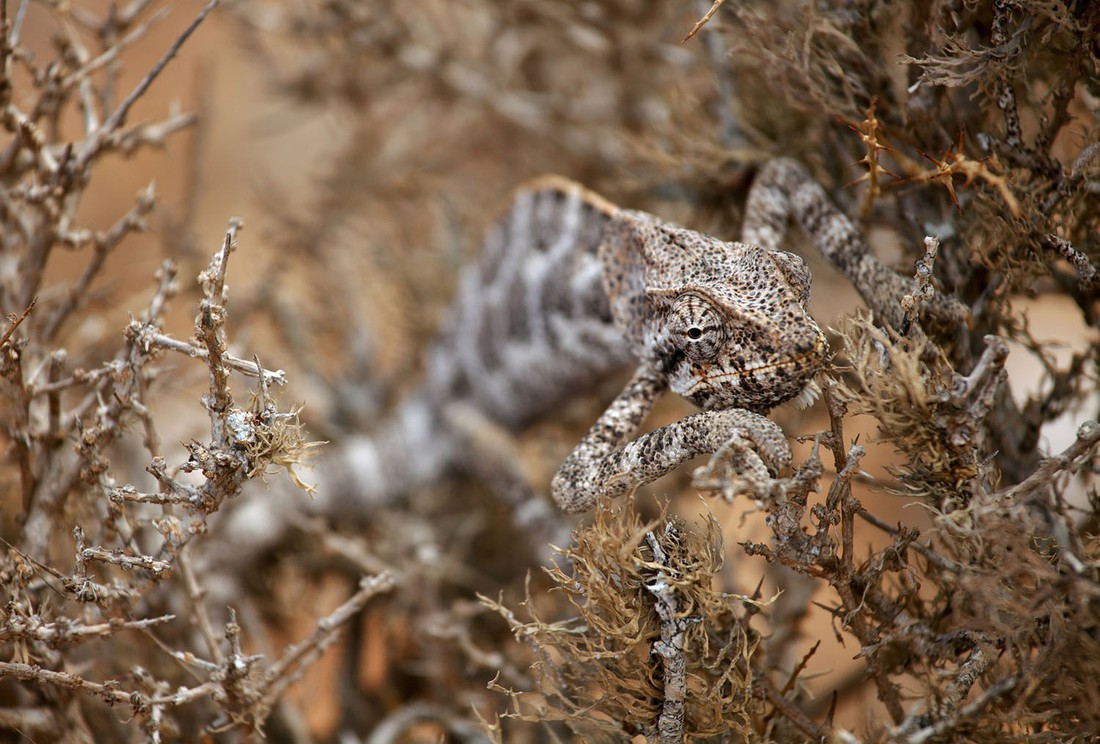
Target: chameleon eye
[(697, 327)]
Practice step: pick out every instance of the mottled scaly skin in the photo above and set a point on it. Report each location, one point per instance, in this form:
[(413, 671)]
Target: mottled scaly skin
[(723, 324), (530, 326), (531, 322), (570, 288)]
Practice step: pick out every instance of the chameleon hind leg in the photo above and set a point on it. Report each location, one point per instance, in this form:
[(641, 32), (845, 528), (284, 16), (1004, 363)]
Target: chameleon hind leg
[(785, 191)]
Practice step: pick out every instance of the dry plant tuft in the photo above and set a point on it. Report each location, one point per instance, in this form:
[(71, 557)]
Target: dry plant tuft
[(932, 414), (646, 612)]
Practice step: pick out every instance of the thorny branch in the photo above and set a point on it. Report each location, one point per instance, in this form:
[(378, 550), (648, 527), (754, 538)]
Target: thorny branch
[(298, 657)]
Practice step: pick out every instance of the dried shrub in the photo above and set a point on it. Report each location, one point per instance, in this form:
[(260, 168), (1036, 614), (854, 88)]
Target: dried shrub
[(599, 668)]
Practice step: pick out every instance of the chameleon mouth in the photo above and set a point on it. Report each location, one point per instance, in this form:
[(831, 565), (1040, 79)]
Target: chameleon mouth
[(761, 372)]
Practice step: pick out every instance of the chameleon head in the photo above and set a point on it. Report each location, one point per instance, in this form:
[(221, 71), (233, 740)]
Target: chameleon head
[(726, 322), (754, 355)]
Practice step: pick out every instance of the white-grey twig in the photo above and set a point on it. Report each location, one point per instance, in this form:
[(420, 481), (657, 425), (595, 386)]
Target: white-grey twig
[(244, 366), (670, 648)]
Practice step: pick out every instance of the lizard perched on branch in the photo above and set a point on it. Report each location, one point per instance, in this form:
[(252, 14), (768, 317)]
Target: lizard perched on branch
[(570, 289)]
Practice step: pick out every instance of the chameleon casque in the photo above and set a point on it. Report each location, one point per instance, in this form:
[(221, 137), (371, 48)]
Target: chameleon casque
[(570, 289)]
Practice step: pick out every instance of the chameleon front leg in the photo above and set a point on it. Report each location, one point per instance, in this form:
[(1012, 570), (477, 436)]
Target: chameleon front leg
[(602, 466)]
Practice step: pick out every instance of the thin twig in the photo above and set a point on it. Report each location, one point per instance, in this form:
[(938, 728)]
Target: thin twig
[(957, 718), (923, 289), (933, 557), (296, 658), (703, 21), (32, 629), (731, 133), (197, 595), (670, 647), (244, 366), (794, 714), (110, 692), (118, 117), (15, 322), (127, 562)]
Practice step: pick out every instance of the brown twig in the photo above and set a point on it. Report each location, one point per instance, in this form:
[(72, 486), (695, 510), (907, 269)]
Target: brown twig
[(95, 143), (244, 366), (297, 657), (704, 20)]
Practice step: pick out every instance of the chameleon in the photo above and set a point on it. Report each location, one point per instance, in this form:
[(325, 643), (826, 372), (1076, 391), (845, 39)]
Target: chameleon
[(569, 290)]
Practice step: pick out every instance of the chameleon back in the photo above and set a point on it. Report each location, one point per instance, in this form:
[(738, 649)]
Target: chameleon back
[(530, 324)]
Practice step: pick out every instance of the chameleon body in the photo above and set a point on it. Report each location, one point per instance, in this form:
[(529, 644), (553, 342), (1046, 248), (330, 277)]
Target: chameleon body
[(569, 290)]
